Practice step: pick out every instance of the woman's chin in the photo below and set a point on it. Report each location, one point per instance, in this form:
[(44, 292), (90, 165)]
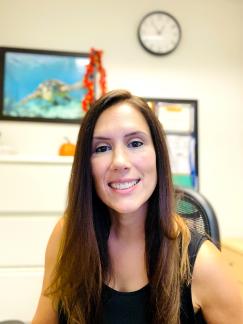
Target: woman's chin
[(126, 210)]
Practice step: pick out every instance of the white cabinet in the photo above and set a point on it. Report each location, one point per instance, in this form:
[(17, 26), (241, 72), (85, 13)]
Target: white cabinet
[(33, 194), (19, 292)]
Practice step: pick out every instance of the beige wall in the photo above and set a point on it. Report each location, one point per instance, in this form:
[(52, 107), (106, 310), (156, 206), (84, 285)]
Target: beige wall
[(207, 66)]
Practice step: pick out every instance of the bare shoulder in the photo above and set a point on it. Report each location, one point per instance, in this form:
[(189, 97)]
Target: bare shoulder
[(54, 242), (45, 312), (214, 289)]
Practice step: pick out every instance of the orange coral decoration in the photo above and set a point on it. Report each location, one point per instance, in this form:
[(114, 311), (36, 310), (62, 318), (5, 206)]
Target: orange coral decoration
[(94, 66)]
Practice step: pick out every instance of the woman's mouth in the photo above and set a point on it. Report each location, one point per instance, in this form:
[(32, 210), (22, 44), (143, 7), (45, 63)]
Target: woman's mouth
[(123, 185)]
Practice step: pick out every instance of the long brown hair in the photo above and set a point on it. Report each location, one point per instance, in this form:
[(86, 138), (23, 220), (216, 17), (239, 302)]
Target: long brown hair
[(83, 262)]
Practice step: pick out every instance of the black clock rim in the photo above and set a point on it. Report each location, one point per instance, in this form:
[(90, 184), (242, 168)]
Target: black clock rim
[(164, 13)]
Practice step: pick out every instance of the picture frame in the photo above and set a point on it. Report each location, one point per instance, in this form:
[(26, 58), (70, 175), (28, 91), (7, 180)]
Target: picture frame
[(179, 118), (42, 85)]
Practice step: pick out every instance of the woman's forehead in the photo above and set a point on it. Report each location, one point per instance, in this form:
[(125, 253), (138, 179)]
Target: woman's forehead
[(122, 115)]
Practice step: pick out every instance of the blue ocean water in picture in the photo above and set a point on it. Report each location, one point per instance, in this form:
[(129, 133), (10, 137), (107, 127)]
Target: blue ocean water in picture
[(43, 86)]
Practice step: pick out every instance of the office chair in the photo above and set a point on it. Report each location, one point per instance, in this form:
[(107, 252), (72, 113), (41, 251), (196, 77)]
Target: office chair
[(198, 213), (200, 216)]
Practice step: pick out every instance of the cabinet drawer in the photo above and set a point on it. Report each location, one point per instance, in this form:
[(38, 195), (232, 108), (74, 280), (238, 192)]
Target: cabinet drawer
[(235, 261), (19, 293), (23, 239), (29, 187)]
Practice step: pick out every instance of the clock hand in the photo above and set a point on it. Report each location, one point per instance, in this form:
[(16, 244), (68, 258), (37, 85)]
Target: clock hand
[(161, 30), (155, 27)]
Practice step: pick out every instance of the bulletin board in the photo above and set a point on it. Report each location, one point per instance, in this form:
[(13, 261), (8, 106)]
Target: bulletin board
[(180, 122)]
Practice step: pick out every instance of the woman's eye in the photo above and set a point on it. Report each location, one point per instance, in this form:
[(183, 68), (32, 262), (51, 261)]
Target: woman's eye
[(102, 148), (135, 144)]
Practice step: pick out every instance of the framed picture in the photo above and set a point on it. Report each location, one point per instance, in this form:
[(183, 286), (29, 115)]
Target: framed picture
[(43, 86), (180, 122)]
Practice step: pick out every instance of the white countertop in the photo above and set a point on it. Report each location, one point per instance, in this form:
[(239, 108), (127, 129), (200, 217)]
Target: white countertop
[(234, 243), (31, 158)]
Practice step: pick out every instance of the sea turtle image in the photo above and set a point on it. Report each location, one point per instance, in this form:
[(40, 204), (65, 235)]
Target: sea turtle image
[(54, 92)]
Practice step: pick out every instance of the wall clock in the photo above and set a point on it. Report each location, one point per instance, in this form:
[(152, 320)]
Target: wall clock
[(159, 33)]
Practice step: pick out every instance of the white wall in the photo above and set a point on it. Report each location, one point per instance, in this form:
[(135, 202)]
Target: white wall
[(207, 66)]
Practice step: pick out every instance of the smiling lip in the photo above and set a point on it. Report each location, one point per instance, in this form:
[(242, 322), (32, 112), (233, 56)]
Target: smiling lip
[(123, 185)]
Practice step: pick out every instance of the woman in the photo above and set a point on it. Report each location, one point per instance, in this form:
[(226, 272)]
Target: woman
[(121, 254)]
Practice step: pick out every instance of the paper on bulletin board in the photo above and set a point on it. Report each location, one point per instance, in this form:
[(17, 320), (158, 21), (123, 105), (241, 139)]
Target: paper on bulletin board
[(182, 154), (175, 117)]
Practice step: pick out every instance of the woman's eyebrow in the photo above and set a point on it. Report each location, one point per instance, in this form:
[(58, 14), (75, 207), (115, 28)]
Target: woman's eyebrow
[(101, 138), (136, 133)]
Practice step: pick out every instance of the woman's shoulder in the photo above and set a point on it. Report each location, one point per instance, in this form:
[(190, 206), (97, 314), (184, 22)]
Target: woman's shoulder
[(196, 241), (54, 241), (213, 284)]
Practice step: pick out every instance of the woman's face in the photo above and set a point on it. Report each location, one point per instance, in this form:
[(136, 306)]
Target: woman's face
[(123, 159)]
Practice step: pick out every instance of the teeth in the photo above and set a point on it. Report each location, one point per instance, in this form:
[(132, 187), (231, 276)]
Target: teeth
[(124, 185)]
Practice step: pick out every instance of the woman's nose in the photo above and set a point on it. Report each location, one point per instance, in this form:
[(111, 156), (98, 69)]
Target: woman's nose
[(120, 159)]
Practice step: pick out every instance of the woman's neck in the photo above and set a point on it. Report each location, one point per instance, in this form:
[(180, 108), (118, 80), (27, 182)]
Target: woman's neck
[(126, 247), (128, 227)]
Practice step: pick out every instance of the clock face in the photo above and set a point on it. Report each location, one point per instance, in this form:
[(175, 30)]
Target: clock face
[(159, 33)]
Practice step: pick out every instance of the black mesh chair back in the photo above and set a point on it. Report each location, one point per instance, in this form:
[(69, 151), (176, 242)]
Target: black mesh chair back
[(198, 213), (200, 216)]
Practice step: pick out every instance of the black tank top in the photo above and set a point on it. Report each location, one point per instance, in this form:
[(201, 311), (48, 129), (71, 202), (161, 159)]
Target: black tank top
[(134, 307)]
